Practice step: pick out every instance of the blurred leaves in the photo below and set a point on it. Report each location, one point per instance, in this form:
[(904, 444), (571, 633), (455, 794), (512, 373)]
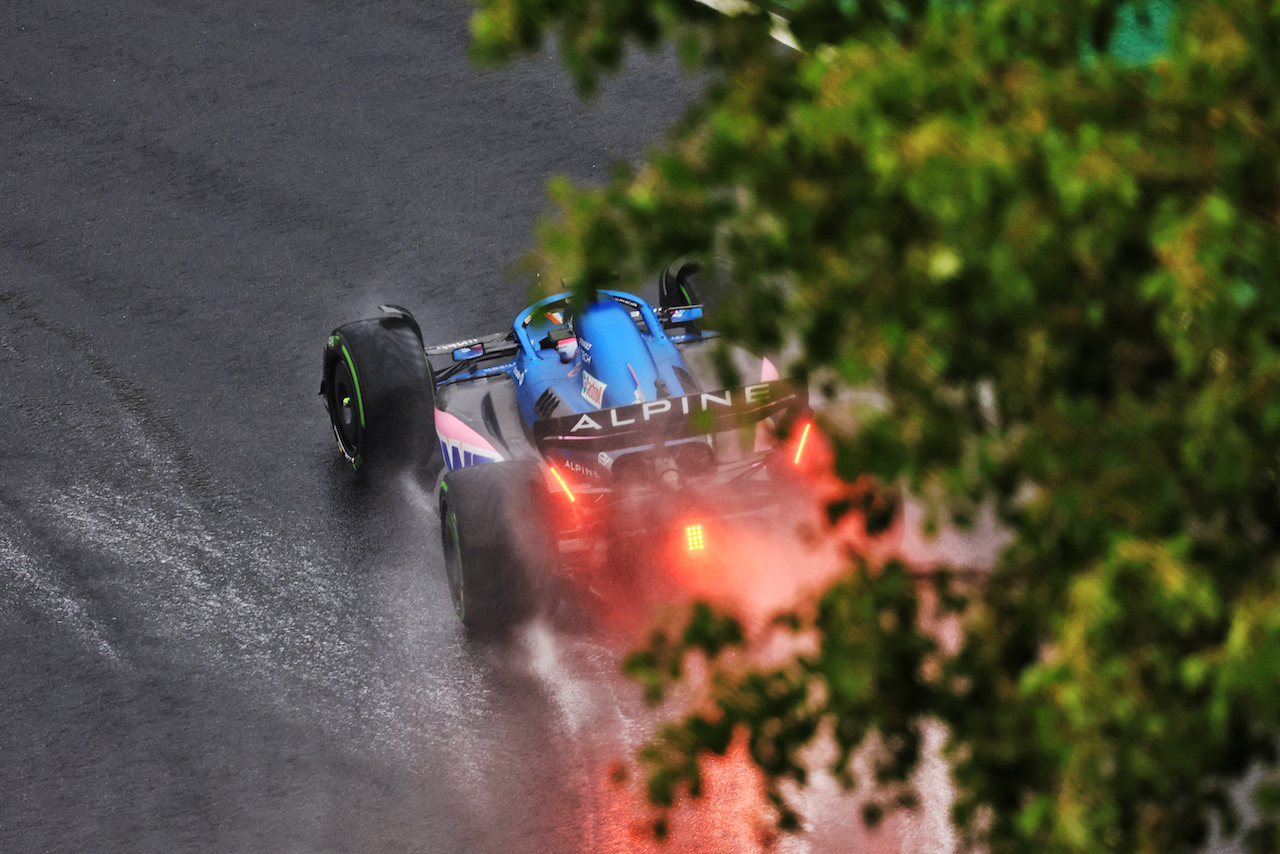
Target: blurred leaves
[(1057, 261)]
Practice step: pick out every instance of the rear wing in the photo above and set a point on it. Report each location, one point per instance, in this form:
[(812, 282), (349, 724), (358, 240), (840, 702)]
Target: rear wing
[(653, 422)]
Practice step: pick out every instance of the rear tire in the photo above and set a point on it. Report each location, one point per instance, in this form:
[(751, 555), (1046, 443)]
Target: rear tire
[(379, 391), (498, 546)]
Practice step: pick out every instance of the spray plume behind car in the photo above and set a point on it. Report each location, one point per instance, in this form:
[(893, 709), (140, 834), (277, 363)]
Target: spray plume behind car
[(578, 443)]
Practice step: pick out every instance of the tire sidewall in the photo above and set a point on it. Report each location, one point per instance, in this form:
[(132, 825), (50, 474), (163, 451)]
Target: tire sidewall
[(336, 361), (394, 392), (454, 571), (498, 551)]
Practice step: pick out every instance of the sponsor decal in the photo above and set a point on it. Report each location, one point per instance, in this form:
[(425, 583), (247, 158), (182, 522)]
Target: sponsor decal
[(606, 461), (581, 468), (721, 401), (584, 348), (694, 414), (592, 390), (519, 374)]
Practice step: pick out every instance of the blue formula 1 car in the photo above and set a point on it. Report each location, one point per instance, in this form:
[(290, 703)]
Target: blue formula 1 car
[(580, 439)]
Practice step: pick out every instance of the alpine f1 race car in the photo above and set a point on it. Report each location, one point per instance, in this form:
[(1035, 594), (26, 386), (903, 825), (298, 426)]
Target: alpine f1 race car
[(582, 439)]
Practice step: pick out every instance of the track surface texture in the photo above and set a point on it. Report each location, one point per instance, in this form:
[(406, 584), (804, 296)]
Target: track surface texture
[(213, 637)]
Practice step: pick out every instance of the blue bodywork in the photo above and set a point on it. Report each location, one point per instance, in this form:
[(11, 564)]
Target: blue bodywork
[(614, 352), (620, 354)]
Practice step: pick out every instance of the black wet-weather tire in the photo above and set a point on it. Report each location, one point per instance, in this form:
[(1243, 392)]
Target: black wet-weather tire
[(499, 547), (379, 391)]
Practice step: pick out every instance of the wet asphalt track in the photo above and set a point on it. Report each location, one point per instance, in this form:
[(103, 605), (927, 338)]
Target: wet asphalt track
[(212, 637)]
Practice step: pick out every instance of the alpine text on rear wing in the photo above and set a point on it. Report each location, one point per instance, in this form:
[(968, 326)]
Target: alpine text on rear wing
[(670, 418)]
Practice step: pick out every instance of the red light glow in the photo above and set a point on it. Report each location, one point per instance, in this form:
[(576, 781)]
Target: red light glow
[(804, 437), (563, 485)]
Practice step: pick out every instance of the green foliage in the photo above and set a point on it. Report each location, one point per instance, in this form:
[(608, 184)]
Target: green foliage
[(1060, 267)]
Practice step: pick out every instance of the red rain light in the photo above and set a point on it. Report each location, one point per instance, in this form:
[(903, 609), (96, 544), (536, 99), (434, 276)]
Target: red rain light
[(563, 485), (803, 438), (695, 538)]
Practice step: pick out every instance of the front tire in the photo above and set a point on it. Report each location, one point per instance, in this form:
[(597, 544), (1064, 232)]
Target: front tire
[(498, 546), (379, 391)]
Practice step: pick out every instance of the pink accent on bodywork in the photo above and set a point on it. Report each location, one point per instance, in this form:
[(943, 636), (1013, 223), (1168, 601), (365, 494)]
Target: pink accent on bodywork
[(764, 437), (452, 427)]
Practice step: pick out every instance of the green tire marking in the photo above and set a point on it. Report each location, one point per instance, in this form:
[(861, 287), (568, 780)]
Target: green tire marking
[(346, 354)]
